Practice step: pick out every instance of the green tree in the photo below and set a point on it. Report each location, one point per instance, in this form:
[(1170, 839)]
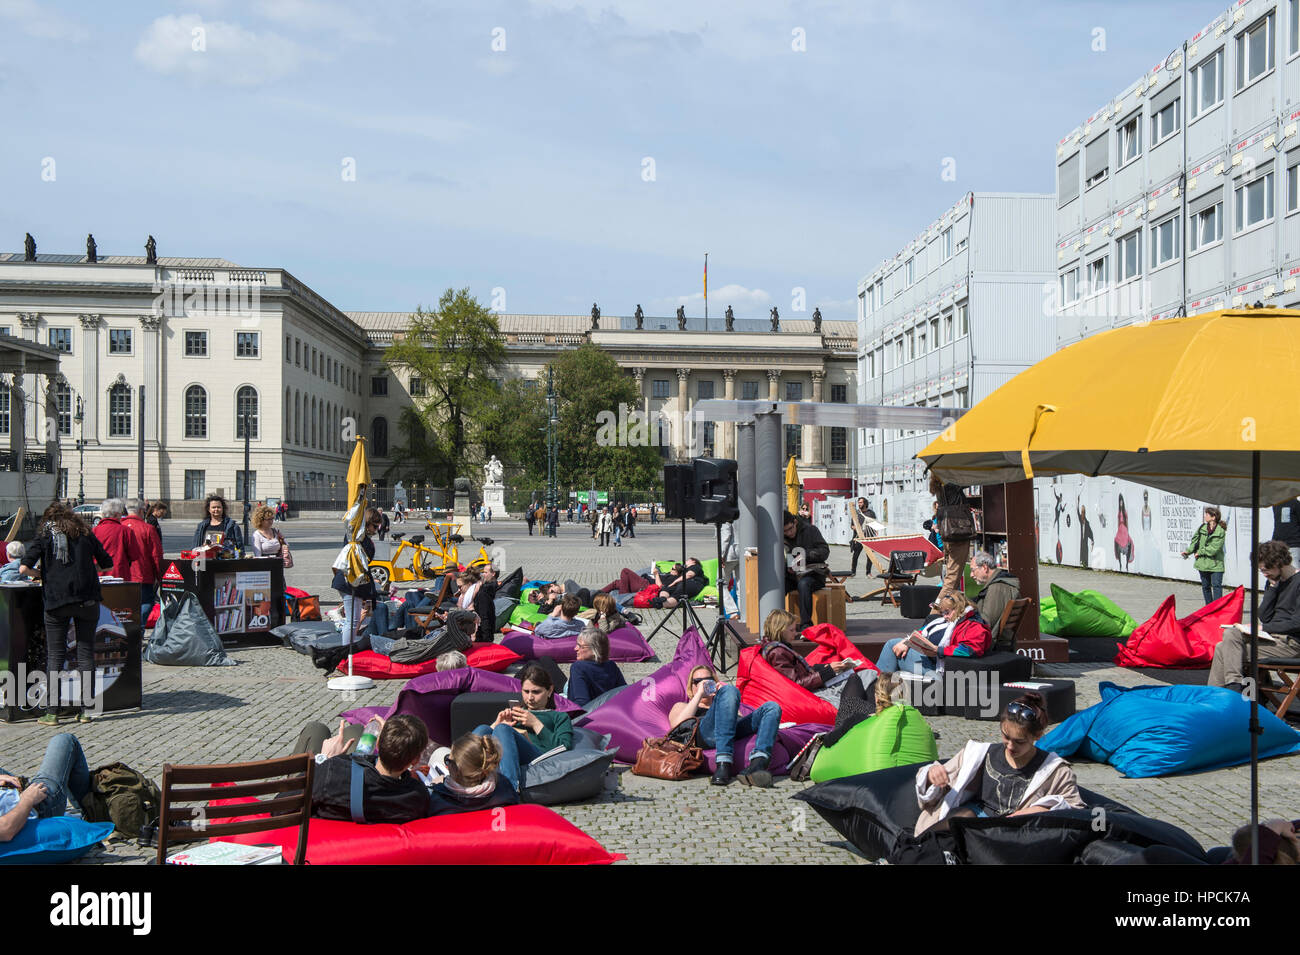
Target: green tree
[(456, 350)]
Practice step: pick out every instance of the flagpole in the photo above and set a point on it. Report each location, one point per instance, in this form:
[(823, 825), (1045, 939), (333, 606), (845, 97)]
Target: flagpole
[(706, 291)]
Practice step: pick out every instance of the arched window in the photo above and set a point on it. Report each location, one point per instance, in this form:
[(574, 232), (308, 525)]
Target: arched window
[(315, 424), (119, 410), (288, 415), (246, 403), (379, 437), (196, 412), (297, 417), (63, 406)]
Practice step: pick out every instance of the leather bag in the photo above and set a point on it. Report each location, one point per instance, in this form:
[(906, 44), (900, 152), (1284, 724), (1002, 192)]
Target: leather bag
[(956, 523), (663, 757)]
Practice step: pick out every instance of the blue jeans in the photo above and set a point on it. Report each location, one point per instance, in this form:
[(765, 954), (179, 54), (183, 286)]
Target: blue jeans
[(64, 774), (413, 604), (516, 750), (720, 726), (888, 663), (618, 535), (1211, 585)]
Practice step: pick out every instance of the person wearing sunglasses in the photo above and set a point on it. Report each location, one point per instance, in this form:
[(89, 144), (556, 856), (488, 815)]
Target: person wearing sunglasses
[(957, 631), (715, 703), (1011, 778)]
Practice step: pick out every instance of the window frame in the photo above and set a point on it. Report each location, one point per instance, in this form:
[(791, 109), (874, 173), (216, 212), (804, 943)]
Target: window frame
[(1292, 28), (1067, 299), (188, 416), (375, 390), (1242, 40), (202, 481), (257, 343), (1196, 76), (113, 431), (130, 337), (1291, 188), (1101, 264), (1134, 120), (115, 475), (49, 338), (62, 393), (1176, 106), (1240, 200), (947, 244), (1195, 231), (1121, 276), (909, 272), (417, 387), (1156, 241), (257, 413), (185, 343), (656, 389)]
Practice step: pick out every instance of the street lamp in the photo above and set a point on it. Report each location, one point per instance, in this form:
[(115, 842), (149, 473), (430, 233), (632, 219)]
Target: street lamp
[(80, 417)]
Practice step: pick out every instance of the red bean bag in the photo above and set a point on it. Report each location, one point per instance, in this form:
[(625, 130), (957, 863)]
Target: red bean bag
[(642, 600), (1186, 644), (833, 646), (759, 681), (486, 656), (508, 835)]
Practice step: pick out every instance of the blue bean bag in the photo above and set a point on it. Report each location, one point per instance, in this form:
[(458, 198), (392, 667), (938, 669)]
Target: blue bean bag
[(1161, 730), (53, 840)]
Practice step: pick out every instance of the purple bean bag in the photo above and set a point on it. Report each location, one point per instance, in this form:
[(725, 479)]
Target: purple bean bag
[(642, 710), (429, 697), (626, 645)]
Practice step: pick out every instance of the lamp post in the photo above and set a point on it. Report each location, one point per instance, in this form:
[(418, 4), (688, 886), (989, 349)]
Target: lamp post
[(81, 452), (332, 483), (552, 436)]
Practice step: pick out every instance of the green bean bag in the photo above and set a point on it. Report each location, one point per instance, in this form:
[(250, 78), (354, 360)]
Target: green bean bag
[(1048, 622), (710, 566), (1087, 614), (899, 736), (525, 611)]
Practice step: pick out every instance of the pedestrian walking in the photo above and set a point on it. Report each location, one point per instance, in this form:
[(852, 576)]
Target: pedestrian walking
[(1208, 547), (530, 518)]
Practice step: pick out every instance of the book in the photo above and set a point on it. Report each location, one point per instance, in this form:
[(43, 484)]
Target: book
[(1245, 631), (1028, 685), (837, 679), (549, 752), (227, 853), (918, 642)]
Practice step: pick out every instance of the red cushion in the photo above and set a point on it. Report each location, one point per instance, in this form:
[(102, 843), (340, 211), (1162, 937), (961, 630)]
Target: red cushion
[(642, 600), (833, 646), (486, 656), (511, 835), (759, 681), (154, 613), (1188, 644)]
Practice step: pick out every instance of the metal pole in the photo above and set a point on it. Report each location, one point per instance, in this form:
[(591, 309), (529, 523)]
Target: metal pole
[(247, 436), (81, 452), (140, 448), (706, 291), (768, 513), (1254, 660), (746, 496), (551, 437)]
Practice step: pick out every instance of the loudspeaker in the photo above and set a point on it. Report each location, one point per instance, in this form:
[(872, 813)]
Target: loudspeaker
[(715, 490), (679, 488)]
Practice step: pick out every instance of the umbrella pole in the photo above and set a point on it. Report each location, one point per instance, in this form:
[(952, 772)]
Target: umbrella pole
[(1254, 660)]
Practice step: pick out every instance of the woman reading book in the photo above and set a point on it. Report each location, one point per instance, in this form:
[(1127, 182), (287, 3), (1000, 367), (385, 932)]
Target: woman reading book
[(779, 629), (962, 633), (531, 727)]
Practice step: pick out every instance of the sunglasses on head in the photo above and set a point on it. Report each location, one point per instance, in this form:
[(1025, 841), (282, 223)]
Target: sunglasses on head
[(1021, 713)]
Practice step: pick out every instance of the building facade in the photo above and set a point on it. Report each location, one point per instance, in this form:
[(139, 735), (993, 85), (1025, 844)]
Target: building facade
[(1180, 194), (949, 318), (188, 354)]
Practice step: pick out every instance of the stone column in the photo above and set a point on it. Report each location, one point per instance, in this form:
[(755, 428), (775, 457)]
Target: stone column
[(30, 322), (683, 432), (150, 326), (90, 325), (814, 435), (644, 401), (726, 436), (773, 383)]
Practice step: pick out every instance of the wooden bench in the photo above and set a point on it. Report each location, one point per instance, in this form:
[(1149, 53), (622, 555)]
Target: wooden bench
[(828, 604)]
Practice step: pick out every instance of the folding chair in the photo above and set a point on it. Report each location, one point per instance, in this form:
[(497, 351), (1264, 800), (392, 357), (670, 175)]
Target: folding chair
[(904, 566), (287, 780), (1287, 672)]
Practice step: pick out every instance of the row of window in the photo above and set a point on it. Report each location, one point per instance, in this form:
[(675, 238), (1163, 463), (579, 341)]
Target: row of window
[(924, 337), (794, 443), (1255, 57), (936, 253), (118, 484), (1253, 205), (749, 390), (313, 423), (302, 355), (121, 341), (196, 412), (121, 420), (949, 399)]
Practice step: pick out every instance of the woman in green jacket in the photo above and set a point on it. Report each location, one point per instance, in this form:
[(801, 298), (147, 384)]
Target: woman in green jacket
[(526, 732), (1208, 546)]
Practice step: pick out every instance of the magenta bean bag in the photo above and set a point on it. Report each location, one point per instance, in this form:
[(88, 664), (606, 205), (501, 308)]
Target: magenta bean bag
[(626, 645), (429, 697), (641, 711)]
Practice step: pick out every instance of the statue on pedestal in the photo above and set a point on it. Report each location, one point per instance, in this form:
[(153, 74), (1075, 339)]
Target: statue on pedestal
[(640, 317), (776, 319), (595, 317), (817, 320), (91, 254), (492, 471), (29, 248), (150, 252), (731, 319), (681, 318)]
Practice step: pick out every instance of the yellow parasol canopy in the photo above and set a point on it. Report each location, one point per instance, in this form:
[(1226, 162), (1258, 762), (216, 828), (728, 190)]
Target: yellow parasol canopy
[(352, 559), (1179, 404), (791, 486)]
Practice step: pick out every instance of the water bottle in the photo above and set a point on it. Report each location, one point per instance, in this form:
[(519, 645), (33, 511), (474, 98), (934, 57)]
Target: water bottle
[(370, 736)]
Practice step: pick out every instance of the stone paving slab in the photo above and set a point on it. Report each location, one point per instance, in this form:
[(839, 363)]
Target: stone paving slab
[(255, 710)]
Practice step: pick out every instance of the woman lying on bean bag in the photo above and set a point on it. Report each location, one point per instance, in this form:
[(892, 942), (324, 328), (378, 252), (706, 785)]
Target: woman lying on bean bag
[(526, 732), (473, 780), (985, 779), (958, 631), (779, 629)]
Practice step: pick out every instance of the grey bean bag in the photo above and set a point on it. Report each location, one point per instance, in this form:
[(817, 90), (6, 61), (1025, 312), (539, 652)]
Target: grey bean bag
[(183, 637), (571, 776)]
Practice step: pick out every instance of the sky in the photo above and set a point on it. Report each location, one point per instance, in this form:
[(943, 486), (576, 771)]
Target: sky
[(547, 154)]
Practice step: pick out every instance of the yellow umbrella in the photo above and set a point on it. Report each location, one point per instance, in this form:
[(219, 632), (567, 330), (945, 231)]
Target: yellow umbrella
[(358, 482), (1200, 406), (791, 486)]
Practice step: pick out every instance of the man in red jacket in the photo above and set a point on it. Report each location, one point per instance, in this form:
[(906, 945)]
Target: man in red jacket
[(146, 562), (115, 537)]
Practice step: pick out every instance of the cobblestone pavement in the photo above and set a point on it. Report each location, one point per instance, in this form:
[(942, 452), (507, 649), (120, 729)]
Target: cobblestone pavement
[(256, 709)]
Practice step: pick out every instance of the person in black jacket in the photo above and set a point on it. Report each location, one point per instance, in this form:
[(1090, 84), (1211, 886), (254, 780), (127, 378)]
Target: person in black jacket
[(1279, 616), (806, 565), (485, 605), (955, 553), (390, 792), (67, 552), (474, 780), (220, 522)]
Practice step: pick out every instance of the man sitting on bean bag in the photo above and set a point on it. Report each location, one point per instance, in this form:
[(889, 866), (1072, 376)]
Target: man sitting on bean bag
[(390, 792)]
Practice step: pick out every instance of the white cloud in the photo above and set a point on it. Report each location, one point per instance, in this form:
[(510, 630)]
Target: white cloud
[(40, 22), (736, 296), (226, 52), (320, 15)]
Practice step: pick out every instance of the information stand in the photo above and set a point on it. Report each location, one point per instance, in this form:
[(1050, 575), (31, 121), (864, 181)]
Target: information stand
[(22, 650), (242, 598)]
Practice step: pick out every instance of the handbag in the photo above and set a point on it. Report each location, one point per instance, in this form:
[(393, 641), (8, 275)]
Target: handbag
[(663, 757), (956, 523), (286, 555)]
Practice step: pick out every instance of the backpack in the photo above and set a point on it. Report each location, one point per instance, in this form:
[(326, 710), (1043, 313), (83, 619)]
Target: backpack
[(123, 796)]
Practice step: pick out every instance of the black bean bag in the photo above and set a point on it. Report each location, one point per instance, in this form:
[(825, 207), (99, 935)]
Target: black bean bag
[(877, 812), (570, 776)]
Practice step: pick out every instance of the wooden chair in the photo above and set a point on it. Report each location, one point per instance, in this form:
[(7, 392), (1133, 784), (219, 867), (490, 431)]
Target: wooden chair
[(904, 566), (1287, 672), (422, 620), (1011, 616), (287, 780)]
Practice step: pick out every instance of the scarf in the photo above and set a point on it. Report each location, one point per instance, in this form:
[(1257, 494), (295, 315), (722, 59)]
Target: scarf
[(485, 788), (60, 541)]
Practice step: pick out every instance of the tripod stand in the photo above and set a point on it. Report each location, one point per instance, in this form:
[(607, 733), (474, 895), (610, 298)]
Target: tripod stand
[(716, 641)]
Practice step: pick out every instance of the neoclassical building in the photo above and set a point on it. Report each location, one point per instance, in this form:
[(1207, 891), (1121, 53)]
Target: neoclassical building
[(183, 355)]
